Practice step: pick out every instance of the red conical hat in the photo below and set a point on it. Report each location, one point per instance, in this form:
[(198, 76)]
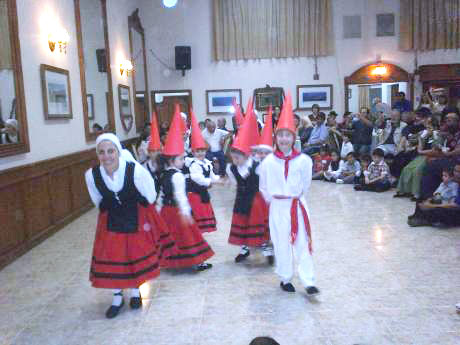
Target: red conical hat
[(245, 138), (196, 141), (154, 143), (238, 116), (286, 120), (266, 139), (255, 135), (183, 125), (174, 144)]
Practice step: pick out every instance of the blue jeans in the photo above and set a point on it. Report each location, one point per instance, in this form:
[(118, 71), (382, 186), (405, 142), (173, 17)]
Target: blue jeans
[(220, 156)]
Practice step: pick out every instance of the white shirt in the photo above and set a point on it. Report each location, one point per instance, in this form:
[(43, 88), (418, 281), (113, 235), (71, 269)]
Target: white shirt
[(243, 170), (272, 181), (346, 149), (196, 172), (213, 139), (142, 150), (345, 167), (142, 180), (180, 194)]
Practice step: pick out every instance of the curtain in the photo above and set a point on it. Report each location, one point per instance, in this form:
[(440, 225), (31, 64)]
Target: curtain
[(363, 91), (258, 29), (5, 47), (429, 24)]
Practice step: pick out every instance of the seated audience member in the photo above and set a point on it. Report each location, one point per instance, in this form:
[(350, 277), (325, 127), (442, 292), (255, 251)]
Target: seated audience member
[(346, 126), (263, 341), (362, 132), (426, 102), (333, 170), (321, 163), (349, 170), (379, 108), (347, 146), (389, 159), (143, 143), (10, 134), (376, 178), (318, 136), (402, 104), (390, 132), (215, 139), (304, 130), (334, 140), (364, 162), (315, 109), (446, 158), (437, 214), (428, 148), (440, 104)]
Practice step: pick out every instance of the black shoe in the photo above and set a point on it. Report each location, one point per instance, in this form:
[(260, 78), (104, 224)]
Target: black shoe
[(135, 302), (271, 260), (358, 187), (203, 266), (114, 310), (312, 291), (242, 257), (287, 287), (415, 221), (401, 195)]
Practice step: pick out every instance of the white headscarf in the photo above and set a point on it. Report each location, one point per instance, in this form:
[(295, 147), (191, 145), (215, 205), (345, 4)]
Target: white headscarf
[(125, 154)]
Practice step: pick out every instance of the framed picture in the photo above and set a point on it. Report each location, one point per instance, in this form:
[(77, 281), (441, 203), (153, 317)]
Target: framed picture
[(90, 102), (307, 95), (264, 97), (57, 100), (124, 101), (221, 101)]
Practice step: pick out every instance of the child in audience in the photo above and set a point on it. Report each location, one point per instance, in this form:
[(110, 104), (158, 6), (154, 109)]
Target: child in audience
[(447, 190), (389, 159), (347, 146), (349, 169), (333, 170), (321, 163), (376, 178)]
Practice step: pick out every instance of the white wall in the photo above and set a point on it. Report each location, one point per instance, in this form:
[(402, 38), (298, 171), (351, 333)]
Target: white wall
[(54, 138), (190, 23)]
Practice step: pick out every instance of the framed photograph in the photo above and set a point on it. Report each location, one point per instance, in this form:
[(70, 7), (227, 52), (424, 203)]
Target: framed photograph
[(124, 101), (57, 100), (221, 101), (90, 102), (385, 24), (264, 97), (307, 95)]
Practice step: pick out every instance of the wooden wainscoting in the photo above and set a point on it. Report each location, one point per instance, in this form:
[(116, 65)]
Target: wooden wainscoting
[(38, 199)]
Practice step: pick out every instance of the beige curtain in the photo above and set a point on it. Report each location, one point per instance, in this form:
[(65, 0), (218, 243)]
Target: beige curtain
[(429, 24), (257, 29), (5, 47), (363, 91)]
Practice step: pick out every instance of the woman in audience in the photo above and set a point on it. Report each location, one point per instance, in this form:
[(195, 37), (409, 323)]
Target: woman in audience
[(439, 214)]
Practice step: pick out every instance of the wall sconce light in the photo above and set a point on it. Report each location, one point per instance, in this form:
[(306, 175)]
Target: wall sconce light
[(60, 37), (126, 66)]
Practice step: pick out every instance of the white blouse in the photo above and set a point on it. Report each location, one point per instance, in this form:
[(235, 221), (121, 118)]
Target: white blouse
[(142, 180), (180, 194), (196, 172), (243, 170)]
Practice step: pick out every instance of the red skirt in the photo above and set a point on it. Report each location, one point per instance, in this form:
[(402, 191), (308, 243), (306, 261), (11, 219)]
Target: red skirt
[(127, 260), (192, 247), (251, 230), (203, 214)]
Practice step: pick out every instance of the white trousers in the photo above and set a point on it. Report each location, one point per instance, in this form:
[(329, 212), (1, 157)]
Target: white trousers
[(285, 251)]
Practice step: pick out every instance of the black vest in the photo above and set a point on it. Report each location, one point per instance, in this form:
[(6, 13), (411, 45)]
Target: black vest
[(168, 188), (121, 206), (155, 176), (246, 189), (199, 189)]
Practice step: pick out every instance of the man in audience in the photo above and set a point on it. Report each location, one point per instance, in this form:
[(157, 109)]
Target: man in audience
[(318, 136), (362, 132), (391, 132), (221, 123), (449, 156), (402, 104), (215, 139)]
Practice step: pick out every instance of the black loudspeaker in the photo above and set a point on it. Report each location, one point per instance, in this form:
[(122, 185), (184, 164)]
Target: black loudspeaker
[(183, 57), (101, 60)]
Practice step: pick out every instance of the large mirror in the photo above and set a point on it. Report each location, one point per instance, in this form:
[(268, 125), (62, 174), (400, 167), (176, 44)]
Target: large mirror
[(95, 75), (376, 86), (139, 61), (13, 119)]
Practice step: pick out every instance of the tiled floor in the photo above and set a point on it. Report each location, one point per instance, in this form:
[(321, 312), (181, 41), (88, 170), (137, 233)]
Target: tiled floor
[(382, 283)]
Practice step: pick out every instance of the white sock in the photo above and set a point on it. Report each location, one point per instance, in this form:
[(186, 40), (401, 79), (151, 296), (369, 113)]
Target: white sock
[(244, 250), (135, 292), (267, 249), (117, 297)]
